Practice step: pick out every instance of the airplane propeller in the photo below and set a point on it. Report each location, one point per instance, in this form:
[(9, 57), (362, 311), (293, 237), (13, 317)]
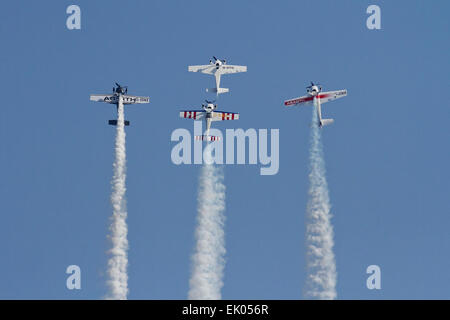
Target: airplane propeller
[(223, 61), (122, 89), (118, 85), (314, 84)]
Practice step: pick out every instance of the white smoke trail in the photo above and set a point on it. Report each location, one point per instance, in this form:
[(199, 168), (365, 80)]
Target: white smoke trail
[(321, 266), (118, 262), (208, 260)]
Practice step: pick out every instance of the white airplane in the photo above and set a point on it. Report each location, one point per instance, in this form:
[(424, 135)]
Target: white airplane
[(316, 97), (119, 96), (217, 68), (208, 114)]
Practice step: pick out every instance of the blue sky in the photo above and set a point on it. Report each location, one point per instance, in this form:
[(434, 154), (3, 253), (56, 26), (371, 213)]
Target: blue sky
[(386, 154)]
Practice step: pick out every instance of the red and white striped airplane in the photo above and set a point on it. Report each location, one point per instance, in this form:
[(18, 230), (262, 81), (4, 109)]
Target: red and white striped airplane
[(208, 114), (316, 97)]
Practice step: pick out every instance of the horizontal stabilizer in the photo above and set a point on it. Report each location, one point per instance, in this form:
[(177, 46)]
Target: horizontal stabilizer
[(326, 122), (215, 90), (114, 122), (207, 138)]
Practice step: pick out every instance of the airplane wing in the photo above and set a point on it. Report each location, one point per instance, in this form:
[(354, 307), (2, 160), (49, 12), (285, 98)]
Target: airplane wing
[(108, 98), (220, 116), (135, 99), (208, 69), (332, 95), (192, 114), (226, 69), (113, 99), (323, 96), (302, 101)]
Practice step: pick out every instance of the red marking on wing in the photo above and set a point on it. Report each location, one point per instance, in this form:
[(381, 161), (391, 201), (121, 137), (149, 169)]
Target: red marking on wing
[(295, 101)]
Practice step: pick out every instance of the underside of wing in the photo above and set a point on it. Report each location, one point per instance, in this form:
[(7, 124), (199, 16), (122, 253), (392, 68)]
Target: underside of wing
[(302, 101), (135, 99), (192, 114), (208, 69), (220, 116), (227, 69), (332, 95), (103, 98)]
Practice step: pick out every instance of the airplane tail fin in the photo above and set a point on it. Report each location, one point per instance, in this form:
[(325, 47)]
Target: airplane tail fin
[(114, 122), (215, 90), (207, 138), (326, 122)]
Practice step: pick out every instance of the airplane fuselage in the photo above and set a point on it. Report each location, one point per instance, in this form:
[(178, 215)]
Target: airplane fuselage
[(209, 108), (316, 101), (314, 92)]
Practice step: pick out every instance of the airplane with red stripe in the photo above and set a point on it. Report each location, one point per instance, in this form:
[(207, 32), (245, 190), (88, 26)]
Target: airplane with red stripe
[(208, 114), (316, 97)]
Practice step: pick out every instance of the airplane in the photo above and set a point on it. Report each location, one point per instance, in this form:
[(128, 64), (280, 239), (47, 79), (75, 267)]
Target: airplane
[(217, 67), (208, 114), (120, 95), (316, 97)]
